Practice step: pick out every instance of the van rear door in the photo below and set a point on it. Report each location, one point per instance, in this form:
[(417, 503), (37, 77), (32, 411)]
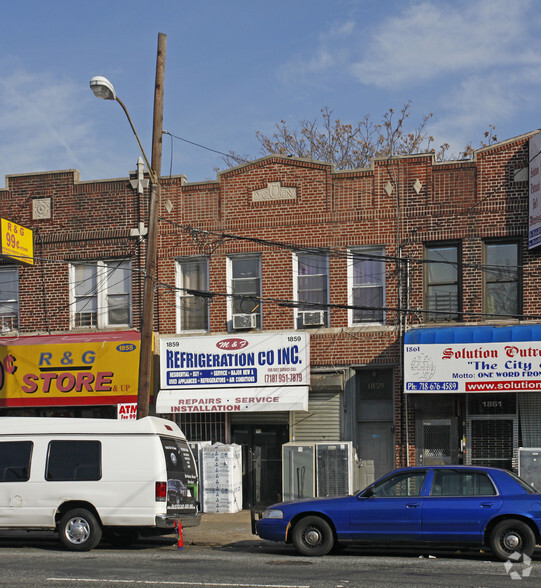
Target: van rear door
[(181, 478)]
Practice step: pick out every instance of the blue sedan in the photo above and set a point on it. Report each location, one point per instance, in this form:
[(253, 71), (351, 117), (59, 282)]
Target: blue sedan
[(453, 505)]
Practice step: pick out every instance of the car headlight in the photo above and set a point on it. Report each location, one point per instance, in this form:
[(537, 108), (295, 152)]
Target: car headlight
[(272, 513)]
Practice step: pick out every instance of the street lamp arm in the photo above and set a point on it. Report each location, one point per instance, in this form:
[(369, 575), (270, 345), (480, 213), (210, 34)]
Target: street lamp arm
[(153, 176)]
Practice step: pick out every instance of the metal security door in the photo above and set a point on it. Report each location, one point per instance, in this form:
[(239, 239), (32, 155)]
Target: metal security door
[(436, 439)]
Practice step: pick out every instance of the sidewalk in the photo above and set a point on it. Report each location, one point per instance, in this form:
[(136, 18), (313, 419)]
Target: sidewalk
[(220, 529)]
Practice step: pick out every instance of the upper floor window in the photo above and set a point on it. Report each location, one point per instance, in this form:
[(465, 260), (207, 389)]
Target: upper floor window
[(193, 310), (101, 293), (9, 299), (245, 289), (366, 275), (442, 282), (312, 289), (501, 283)]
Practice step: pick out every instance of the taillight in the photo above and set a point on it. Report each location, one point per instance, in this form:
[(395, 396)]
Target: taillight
[(161, 491)]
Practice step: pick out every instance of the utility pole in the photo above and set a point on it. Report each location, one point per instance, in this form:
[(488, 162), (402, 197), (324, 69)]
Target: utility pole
[(147, 316)]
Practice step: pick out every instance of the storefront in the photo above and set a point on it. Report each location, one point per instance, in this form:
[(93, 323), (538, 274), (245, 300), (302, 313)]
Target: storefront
[(476, 393), (239, 389), (91, 375)]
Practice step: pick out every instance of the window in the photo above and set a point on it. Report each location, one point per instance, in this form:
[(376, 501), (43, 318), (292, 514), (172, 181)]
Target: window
[(443, 295), (501, 278), (245, 275), (312, 289), (193, 310), (101, 293), (455, 483), (15, 461), (404, 484), (366, 275), (9, 299), (73, 460)]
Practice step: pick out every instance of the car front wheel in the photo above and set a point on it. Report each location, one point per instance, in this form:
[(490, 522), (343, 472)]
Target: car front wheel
[(512, 536), (313, 535), (79, 530)]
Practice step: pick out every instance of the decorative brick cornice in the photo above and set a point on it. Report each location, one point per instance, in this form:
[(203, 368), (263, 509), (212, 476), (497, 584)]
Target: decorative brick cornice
[(95, 235)]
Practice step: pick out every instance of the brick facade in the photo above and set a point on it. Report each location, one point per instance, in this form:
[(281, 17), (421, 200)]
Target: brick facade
[(402, 203)]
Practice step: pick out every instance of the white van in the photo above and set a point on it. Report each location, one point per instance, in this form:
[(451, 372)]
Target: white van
[(88, 478)]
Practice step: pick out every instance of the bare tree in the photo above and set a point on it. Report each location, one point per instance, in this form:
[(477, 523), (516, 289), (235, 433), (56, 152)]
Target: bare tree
[(351, 146)]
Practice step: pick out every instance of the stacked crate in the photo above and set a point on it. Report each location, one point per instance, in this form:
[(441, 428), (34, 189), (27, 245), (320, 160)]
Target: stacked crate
[(221, 471)]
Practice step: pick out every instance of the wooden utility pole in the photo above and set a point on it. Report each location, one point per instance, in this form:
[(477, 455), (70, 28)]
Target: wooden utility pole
[(147, 317)]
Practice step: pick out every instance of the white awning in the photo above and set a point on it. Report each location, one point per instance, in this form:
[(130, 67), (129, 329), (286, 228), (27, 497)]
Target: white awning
[(266, 398)]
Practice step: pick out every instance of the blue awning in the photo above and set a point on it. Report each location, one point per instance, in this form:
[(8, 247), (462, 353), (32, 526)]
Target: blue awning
[(473, 334)]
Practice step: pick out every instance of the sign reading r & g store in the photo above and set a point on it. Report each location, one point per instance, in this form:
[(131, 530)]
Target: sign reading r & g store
[(69, 370)]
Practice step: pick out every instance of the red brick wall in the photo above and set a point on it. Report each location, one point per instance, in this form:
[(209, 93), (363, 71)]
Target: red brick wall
[(466, 201)]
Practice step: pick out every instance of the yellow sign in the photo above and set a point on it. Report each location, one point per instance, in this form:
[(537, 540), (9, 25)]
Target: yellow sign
[(70, 370), (17, 242)]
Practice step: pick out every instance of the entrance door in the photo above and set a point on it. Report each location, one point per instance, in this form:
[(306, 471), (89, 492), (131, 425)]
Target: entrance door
[(262, 461), (376, 440), (436, 439), (375, 411)]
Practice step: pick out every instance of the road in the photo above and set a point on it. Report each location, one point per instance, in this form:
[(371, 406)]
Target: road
[(40, 562)]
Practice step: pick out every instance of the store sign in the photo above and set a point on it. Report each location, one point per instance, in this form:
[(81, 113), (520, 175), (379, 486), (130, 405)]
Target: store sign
[(233, 400), (69, 370), (473, 367), (16, 242), (534, 191), (234, 373), (127, 412)]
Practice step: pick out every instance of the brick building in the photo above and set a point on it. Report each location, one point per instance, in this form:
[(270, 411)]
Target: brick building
[(337, 270)]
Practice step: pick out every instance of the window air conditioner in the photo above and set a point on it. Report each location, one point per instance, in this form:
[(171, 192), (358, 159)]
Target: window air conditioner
[(312, 318), (244, 321)]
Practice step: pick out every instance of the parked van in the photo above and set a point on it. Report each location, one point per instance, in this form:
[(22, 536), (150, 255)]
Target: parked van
[(88, 478)]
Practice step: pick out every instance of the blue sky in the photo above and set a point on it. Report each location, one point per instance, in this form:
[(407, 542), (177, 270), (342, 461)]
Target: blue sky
[(238, 66)]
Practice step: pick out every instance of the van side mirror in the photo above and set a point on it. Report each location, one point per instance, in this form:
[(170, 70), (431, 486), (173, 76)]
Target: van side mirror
[(368, 493)]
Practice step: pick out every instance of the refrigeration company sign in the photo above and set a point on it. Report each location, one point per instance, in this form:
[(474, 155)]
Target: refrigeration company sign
[(234, 373), (513, 366)]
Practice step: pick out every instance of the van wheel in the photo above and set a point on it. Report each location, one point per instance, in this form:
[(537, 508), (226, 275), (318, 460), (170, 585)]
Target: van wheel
[(79, 530), (121, 537)]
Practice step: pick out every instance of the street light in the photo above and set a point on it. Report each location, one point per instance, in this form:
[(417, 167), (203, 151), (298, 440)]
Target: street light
[(103, 89)]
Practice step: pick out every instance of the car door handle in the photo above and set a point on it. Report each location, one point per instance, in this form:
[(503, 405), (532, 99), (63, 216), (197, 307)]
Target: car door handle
[(412, 505), (487, 504)]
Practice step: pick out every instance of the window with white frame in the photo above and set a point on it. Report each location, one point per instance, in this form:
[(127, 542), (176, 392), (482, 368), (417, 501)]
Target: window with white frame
[(245, 289), (9, 299), (311, 273), (192, 277), (366, 276), (101, 293)]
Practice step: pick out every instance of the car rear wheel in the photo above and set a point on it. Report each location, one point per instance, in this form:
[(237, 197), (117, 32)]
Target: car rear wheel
[(79, 530), (313, 535), (512, 536)]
